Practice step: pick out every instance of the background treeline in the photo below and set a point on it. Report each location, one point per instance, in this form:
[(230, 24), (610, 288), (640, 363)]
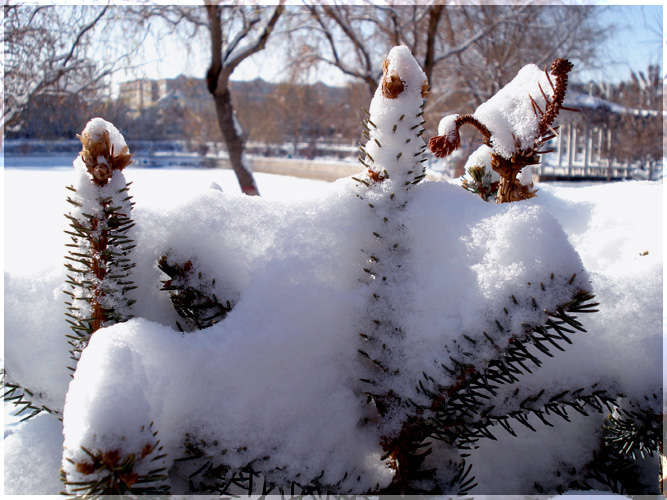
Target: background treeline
[(291, 113), (59, 62)]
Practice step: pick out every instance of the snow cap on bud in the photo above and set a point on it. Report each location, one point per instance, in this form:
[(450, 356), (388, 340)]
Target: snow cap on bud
[(401, 73), (104, 150)]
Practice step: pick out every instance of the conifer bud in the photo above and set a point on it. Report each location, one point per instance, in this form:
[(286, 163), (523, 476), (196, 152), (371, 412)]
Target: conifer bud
[(100, 154)]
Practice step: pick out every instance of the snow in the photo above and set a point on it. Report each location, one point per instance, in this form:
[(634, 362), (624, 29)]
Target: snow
[(32, 456), (97, 128), (525, 177), (448, 128), (421, 270), (284, 242)]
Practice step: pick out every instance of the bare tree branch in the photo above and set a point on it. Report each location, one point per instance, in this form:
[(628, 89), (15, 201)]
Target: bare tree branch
[(32, 63), (82, 32), (239, 35), (367, 77), (260, 41)]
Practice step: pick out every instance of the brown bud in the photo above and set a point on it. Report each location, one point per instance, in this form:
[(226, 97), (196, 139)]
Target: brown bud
[(392, 85), (101, 159), (85, 467), (111, 458), (147, 450), (101, 172), (376, 176), (130, 479), (444, 145), (425, 91), (561, 66)]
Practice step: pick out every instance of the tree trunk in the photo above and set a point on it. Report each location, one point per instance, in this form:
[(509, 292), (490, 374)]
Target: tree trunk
[(217, 81), (432, 33), (234, 141)]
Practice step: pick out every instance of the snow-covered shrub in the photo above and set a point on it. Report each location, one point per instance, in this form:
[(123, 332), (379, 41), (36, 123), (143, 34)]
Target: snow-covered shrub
[(379, 334), (515, 124)]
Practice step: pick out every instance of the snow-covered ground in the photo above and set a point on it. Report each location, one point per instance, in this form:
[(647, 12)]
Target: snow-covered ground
[(617, 230), (34, 197)]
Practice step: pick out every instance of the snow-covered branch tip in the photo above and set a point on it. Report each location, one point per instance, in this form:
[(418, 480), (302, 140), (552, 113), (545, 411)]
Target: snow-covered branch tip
[(392, 85), (101, 154), (98, 260), (100, 472), (448, 139), (515, 124), (559, 69)]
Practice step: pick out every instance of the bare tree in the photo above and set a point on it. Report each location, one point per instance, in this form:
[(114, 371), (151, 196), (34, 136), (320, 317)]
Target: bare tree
[(356, 38), (235, 32), (467, 51), (47, 51), (51, 49), (229, 47), (528, 34)]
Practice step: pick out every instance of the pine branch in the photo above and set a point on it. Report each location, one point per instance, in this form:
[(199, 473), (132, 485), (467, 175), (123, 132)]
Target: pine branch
[(635, 432), (98, 273), (461, 414), (466, 435), (98, 259), (192, 297), (110, 472), (514, 360), (480, 183), (206, 474), (617, 474), (630, 434), (24, 399)]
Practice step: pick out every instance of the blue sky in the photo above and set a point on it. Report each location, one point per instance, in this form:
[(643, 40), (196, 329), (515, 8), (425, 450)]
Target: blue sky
[(636, 40)]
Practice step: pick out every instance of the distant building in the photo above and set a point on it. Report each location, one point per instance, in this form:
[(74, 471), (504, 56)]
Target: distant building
[(583, 147), (140, 94), (144, 93)]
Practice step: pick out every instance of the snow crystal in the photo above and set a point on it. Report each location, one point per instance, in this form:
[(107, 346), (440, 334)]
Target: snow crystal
[(302, 412), (479, 252), (570, 443), (35, 350), (96, 410), (623, 250), (525, 177), (32, 455)]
